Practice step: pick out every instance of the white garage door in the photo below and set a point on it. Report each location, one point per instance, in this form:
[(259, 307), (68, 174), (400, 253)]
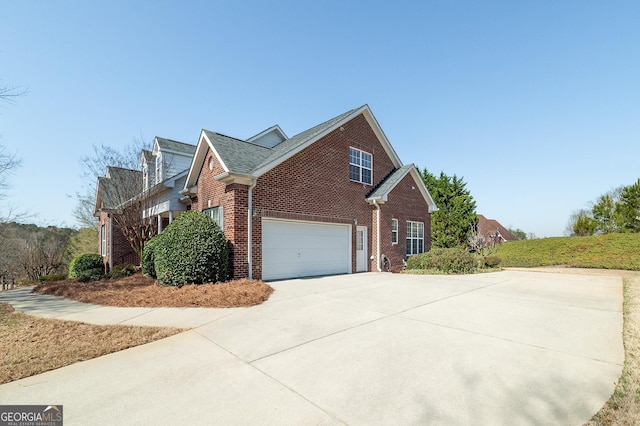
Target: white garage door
[(302, 249)]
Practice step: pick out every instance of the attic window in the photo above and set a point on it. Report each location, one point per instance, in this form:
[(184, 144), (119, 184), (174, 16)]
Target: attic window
[(211, 163), (360, 166)]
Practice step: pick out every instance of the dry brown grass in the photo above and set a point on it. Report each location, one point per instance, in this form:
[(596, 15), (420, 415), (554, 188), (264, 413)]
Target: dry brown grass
[(141, 291), (31, 345)]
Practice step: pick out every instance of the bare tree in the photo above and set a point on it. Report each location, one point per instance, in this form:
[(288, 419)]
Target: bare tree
[(9, 93), (44, 253), (9, 162), (120, 194), (476, 240)]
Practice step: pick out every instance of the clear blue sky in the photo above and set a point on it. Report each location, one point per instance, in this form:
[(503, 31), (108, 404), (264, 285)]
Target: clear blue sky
[(535, 104)]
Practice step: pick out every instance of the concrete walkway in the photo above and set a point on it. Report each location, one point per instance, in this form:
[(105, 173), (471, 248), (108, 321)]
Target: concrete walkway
[(511, 347)]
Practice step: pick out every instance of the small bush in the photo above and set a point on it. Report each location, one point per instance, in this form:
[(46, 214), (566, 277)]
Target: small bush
[(491, 261), (192, 249), (122, 271), (52, 277), (85, 263), (90, 275), (448, 261), (148, 261)]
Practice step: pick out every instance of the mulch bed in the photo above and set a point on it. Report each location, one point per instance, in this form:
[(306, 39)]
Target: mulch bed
[(141, 291)]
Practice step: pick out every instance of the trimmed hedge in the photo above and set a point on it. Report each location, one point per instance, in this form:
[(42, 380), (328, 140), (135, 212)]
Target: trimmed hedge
[(148, 257), (444, 260), (192, 249), (491, 261), (86, 263)]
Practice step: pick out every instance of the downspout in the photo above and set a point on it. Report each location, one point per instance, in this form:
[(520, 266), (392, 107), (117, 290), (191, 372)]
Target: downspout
[(375, 203), (250, 227)]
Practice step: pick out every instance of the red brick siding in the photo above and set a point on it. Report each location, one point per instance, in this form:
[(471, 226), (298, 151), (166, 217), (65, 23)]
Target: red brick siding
[(233, 199), (119, 251), (405, 204), (314, 185)]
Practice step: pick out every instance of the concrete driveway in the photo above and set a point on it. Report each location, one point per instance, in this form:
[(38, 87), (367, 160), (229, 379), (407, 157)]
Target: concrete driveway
[(503, 348)]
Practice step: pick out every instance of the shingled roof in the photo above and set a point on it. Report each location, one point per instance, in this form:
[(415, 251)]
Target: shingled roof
[(492, 229), (250, 160), (171, 145), (386, 186), (239, 156), (116, 187)]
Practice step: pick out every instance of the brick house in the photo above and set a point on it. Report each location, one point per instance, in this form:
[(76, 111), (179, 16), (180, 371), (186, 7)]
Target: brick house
[(492, 232), (154, 191), (118, 184), (333, 199), (164, 172)]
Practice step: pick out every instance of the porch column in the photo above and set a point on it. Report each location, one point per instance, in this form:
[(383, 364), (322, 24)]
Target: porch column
[(159, 224), (170, 216)]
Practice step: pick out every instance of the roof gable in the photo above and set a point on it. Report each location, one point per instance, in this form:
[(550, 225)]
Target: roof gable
[(248, 159), (117, 186), (381, 193), (175, 147), (492, 228)]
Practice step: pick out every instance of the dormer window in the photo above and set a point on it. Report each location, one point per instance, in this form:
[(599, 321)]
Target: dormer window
[(360, 166), (158, 168), (145, 176)]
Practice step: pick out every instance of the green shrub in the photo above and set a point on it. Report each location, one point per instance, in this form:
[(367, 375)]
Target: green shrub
[(121, 271), (192, 249), (491, 261), (52, 277), (444, 260), (84, 263), (90, 275), (148, 257)]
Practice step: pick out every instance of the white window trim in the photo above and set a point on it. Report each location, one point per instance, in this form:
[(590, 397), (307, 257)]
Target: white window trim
[(360, 166), (220, 210), (394, 232), (410, 237), (103, 239), (159, 168)]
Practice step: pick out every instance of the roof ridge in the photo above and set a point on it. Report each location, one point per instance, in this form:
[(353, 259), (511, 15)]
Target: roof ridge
[(175, 141)]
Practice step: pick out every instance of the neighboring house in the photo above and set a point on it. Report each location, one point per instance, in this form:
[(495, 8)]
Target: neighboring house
[(155, 191), (492, 232), (117, 185), (164, 172), (332, 199)]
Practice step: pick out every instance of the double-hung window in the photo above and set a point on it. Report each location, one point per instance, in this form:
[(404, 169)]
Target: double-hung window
[(217, 215), (360, 166), (415, 238), (394, 231), (103, 240)]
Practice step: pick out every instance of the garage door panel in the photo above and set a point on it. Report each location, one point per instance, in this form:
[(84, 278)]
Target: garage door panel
[(296, 249)]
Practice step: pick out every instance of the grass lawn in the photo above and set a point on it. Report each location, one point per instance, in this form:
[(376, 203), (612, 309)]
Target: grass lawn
[(31, 345)]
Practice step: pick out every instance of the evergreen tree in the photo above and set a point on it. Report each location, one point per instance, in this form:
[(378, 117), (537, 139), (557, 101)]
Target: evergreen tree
[(628, 208), (584, 224), (604, 214), (451, 224)]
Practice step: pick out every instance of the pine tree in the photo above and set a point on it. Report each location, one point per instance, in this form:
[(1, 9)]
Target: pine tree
[(451, 224), (628, 208)]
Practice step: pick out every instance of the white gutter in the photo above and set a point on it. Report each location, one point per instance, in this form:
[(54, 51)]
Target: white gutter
[(250, 226), (375, 203)]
